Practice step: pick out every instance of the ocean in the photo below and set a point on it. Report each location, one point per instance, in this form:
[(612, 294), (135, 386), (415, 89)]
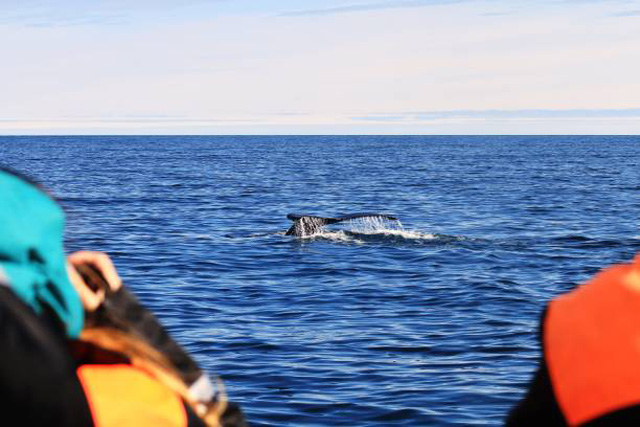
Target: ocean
[(430, 322)]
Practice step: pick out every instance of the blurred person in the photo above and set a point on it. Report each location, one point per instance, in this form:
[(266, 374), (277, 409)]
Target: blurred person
[(78, 349), (589, 372)]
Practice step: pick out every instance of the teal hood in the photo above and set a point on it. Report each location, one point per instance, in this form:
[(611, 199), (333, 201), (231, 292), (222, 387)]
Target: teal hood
[(32, 258)]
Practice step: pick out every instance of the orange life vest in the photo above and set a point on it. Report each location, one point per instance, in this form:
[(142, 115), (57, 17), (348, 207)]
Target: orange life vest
[(592, 345), (122, 395)]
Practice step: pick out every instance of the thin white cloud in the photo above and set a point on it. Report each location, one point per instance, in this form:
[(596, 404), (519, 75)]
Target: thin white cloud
[(49, 13), (606, 2), (151, 120), (364, 7), (626, 14), (541, 114)]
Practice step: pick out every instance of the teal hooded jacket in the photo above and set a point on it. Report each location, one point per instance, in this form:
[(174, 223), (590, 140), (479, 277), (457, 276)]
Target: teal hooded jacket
[(32, 258)]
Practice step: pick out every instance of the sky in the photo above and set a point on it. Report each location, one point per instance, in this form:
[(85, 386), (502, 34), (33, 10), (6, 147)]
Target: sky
[(319, 67)]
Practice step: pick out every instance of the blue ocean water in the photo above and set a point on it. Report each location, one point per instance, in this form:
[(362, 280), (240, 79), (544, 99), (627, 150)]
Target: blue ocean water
[(432, 326)]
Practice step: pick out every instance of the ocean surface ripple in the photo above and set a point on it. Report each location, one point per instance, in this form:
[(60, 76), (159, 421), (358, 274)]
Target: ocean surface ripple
[(433, 325)]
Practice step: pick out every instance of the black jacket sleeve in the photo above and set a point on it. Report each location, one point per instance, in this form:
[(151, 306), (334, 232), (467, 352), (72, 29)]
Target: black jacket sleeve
[(38, 382), (539, 406)]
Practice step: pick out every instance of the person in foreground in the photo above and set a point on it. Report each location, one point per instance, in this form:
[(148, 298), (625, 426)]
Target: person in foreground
[(76, 348), (589, 373)]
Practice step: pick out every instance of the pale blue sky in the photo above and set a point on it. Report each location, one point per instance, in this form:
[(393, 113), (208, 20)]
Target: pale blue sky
[(320, 67)]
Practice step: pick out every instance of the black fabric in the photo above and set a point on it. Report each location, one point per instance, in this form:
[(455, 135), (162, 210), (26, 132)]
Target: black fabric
[(86, 353), (38, 382), (539, 407), (624, 417), (193, 420), (233, 416)]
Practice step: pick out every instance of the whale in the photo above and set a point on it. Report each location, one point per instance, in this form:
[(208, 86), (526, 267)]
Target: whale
[(307, 225)]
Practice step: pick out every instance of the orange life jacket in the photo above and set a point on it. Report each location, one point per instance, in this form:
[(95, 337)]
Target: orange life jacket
[(122, 395), (592, 345)]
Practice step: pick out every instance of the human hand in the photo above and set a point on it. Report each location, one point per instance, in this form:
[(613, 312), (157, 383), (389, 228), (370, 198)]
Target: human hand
[(101, 262)]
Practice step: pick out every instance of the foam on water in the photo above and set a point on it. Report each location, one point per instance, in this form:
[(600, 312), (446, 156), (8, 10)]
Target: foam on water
[(385, 227), (336, 236), (353, 231)]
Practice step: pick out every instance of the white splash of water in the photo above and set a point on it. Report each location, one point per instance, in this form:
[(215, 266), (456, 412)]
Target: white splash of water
[(373, 224), (385, 227), (336, 236), (310, 228)]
